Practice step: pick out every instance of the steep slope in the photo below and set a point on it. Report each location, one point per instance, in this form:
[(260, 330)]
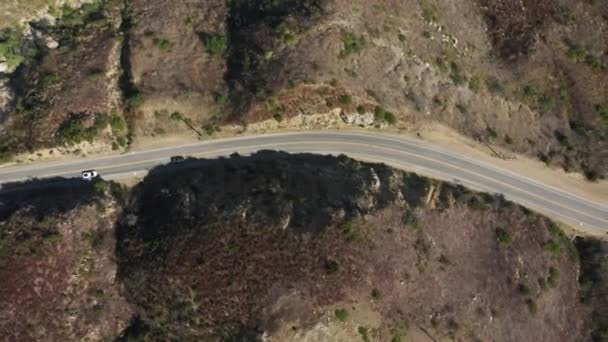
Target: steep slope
[(57, 266), (529, 76), (303, 248)]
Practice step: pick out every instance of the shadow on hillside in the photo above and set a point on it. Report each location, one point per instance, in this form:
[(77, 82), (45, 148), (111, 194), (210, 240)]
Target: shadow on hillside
[(45, 196)]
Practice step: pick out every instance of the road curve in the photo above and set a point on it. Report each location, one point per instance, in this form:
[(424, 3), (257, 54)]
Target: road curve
[(402, 152)]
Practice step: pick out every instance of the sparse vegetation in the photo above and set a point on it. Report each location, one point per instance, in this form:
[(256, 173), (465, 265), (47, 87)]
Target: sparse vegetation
[(375, 294), (429, 13), (382, 115), (364, 333), (341, 314), (352, 44), (215, 44), (346, 99), (524, 289), (532, 306), (503, 236), (553, 278), (456, 74), (475, 83), (95, 74), (10, 47), (553, 247), (76, 131)]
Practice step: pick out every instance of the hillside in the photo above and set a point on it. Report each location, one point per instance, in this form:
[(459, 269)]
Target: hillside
[(290, 248), (530, 77)]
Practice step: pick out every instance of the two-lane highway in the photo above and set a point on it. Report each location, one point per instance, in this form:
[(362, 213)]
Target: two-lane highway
[(402, 152)]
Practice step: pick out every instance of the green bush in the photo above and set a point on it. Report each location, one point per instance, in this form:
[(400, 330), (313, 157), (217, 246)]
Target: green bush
[(553, 277), (118, 123), (524, 289), (553, 247), (363, 331), (10, 46), (576, 53), (532, 306), (429, 13), (177, 116), (352, 44), (348, 231), (214, 44), (380, 114), (475, 83), (162, 44), (503, 236), (49, 79), (602, 110), (375, 294), (95, 74), (134, 101), (346, 99), (341, 315), (456, 74)]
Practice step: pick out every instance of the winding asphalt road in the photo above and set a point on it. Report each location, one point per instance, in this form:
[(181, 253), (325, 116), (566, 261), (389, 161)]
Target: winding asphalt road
[(405, 153)]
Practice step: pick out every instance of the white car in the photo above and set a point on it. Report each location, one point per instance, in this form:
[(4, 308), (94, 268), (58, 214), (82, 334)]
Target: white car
[(89, 175)]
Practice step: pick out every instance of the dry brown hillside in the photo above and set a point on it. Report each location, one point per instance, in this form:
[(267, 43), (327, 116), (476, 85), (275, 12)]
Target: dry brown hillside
[(530, 76), (278, 247)]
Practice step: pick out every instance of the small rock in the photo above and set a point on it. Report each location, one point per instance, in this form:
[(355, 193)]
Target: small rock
[(51, 43)]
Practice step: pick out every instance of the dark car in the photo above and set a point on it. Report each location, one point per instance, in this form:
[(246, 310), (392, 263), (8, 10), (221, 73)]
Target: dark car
[(177, 159)]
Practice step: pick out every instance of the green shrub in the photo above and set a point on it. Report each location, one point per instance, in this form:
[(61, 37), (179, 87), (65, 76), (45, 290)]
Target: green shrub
[(363, 332), (380, 114), (461, 108), (524, 289), (278, 117), (503, 236), (410, 219), (491, 132), (602, 110), (96, 238), (118, 123), (348, 231), (553, 277), (232, 248), (10, 46), (375, 294), (214, 44), (456, 74), (95, 74), (475, 83), (542, 283), (346, 99), (429, 13), (360, 109), (351, 44), (553, 247), (49, 80), (162, 44), (341, 314), (134, 101), (532, 306), (576, 53), (330, 266), (177, 116)]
